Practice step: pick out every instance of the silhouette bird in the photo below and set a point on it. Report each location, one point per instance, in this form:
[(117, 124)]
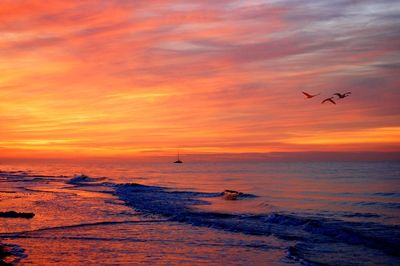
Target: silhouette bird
[(341, 96), (309, 96), (329, 100)]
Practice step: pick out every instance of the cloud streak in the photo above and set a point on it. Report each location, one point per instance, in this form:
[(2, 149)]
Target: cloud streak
[(119, 77)]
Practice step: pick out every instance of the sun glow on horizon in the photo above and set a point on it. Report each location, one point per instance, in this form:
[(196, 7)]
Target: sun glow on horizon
[(132, 77)]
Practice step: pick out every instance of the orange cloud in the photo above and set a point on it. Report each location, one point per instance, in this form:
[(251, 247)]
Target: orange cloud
[(118, 77)]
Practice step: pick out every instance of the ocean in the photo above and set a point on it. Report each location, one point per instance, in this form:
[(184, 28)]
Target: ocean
[(137, 213)]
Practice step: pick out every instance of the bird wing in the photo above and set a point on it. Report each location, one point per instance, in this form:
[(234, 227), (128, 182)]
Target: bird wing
[(328, 100), (338, 94), (306, 94)]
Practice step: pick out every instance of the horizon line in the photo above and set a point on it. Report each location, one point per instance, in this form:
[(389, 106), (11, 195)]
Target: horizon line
[(226, 156)]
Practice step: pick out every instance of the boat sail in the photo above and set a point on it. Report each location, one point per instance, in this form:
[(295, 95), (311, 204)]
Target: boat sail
[(178, 161)]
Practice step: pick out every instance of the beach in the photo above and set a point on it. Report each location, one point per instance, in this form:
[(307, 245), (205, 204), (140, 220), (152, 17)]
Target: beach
[(131, 213)]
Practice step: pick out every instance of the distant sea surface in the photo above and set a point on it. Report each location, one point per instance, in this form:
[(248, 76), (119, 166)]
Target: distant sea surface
[(127, 212)]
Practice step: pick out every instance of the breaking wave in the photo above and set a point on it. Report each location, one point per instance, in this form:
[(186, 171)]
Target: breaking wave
[(178, 206)]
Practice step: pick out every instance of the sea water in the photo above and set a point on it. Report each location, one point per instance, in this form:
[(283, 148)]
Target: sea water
[(127, 212)]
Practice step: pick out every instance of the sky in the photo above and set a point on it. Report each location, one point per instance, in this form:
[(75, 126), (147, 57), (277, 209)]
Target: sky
[(119, 78)]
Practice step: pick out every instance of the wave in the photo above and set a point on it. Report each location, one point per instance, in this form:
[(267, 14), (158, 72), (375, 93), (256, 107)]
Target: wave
[(178, 206), (387, 194), (24, 234), (22, 176), (390, 205), (360, 215), (80, 179)]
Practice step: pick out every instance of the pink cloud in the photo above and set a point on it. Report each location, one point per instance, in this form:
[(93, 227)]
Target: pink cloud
[(212, 73)]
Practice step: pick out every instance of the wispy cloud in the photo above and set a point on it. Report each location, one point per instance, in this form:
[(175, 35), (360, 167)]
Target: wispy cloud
[(225, 76)]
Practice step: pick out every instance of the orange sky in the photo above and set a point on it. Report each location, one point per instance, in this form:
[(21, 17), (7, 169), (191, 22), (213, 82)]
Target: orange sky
[(110, 78)]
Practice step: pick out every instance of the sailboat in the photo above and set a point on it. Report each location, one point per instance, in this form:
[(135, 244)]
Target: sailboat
[(178, 161)]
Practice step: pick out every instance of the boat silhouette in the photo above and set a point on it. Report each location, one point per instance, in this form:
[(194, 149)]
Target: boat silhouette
[(178, 161)]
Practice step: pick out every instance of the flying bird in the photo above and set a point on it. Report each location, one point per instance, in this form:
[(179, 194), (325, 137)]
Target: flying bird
[(309, 96), (341, 96), (329, 100)]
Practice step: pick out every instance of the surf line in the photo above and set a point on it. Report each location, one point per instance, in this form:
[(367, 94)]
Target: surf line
[(20, 234)]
